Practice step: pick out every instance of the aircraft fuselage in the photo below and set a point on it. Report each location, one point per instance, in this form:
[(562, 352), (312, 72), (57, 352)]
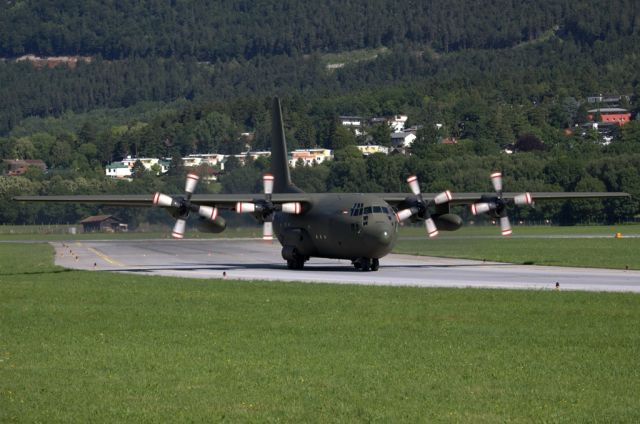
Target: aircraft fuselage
[(340, 226)]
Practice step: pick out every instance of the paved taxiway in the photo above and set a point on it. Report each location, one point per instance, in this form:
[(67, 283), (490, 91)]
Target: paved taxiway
[(255, 259)]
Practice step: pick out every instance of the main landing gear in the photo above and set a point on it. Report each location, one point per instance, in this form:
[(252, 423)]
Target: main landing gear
[(295, 260), (366, 264), (297, 263)]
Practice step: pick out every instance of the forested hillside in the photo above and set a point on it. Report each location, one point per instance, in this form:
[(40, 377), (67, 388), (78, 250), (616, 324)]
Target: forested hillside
[(180, 77), (216, 30)]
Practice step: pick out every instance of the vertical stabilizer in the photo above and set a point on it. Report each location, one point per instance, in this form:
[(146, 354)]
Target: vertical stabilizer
[(279, 162)]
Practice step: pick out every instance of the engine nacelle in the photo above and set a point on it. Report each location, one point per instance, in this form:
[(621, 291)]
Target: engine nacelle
[(447, 221), (216, 226)]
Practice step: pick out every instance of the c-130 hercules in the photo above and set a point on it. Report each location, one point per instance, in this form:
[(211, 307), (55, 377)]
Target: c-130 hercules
[(356, 226)]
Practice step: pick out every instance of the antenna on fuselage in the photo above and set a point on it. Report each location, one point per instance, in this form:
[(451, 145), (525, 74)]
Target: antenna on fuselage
[(279, 160)]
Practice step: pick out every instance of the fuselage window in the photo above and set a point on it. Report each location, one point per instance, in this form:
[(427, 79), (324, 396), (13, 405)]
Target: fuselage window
[(367, 210), (377, 209)]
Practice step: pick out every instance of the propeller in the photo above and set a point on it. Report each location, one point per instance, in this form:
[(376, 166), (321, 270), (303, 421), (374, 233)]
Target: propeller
[(263, 209), (183, 206), (420, 208), (497, 205)]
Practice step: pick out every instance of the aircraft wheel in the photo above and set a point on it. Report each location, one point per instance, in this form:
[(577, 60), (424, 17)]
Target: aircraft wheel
[(365, 264), (375, 264), (297, 263)]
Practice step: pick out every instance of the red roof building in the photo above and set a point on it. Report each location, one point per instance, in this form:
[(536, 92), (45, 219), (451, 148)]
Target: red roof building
[(613, 115)]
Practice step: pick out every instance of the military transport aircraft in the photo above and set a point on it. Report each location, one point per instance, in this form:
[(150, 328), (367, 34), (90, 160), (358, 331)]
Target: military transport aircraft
[(356, 226)]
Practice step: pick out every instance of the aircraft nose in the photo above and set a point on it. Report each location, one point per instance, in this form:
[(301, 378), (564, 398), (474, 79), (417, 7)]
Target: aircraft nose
[(384, 236), (381, 234)]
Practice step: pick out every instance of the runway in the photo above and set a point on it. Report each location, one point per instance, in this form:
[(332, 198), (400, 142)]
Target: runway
[(249, 259)]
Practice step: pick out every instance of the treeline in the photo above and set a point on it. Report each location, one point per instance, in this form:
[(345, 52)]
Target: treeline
[(574, 165), (212, 31)]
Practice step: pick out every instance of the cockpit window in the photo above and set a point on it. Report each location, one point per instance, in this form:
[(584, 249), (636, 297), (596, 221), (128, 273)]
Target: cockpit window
[(358, 209)]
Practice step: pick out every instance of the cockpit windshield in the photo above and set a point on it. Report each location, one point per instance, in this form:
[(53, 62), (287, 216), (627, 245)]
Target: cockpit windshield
[(359, 209)]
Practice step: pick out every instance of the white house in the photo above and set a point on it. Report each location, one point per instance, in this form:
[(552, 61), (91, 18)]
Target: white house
[(118, 170), (354, 122), (402, 139), (371, 149), (309, 156), (124, 168), (211, 159), (398, 122), (148, 163)]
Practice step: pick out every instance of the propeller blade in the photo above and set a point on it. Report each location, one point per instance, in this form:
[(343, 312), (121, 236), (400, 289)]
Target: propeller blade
[(160, 199), (496, 180), (414, 185), (404, 214), (478, 208), (443, 197), (432, 230), (207, 212), (190, 185), (523, 199), (178, 228), (505, 226), (292, 207), (245, 207), (267, 182), (267, 230)]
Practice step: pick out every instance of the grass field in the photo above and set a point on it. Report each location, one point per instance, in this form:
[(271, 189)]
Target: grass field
[(100, 347), (563, 246)]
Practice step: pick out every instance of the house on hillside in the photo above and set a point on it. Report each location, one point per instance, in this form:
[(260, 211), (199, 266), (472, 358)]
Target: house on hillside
[(19, 166), (124, 169), (609, 115), (211, 159), (402, 139), (369, 149), (118, 170), (354, 122), (309, 156), (609, 100), (148, 163), (396, 122), (102, 223)]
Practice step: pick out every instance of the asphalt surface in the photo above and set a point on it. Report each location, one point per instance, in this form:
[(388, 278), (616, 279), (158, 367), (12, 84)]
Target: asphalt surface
[(258, 260)]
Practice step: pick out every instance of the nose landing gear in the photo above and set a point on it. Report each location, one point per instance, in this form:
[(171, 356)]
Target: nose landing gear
[(366, 264)]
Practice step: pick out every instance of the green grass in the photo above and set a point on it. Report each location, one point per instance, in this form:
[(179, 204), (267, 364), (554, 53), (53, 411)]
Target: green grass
[(529, 245), (100, 347), (527, 230)]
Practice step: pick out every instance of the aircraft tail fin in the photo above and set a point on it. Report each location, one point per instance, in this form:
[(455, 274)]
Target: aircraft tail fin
[(279, 163)]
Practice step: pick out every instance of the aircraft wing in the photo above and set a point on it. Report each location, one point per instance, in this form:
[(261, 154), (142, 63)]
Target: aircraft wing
[(469, 198), (222, 201), (395, 199)]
